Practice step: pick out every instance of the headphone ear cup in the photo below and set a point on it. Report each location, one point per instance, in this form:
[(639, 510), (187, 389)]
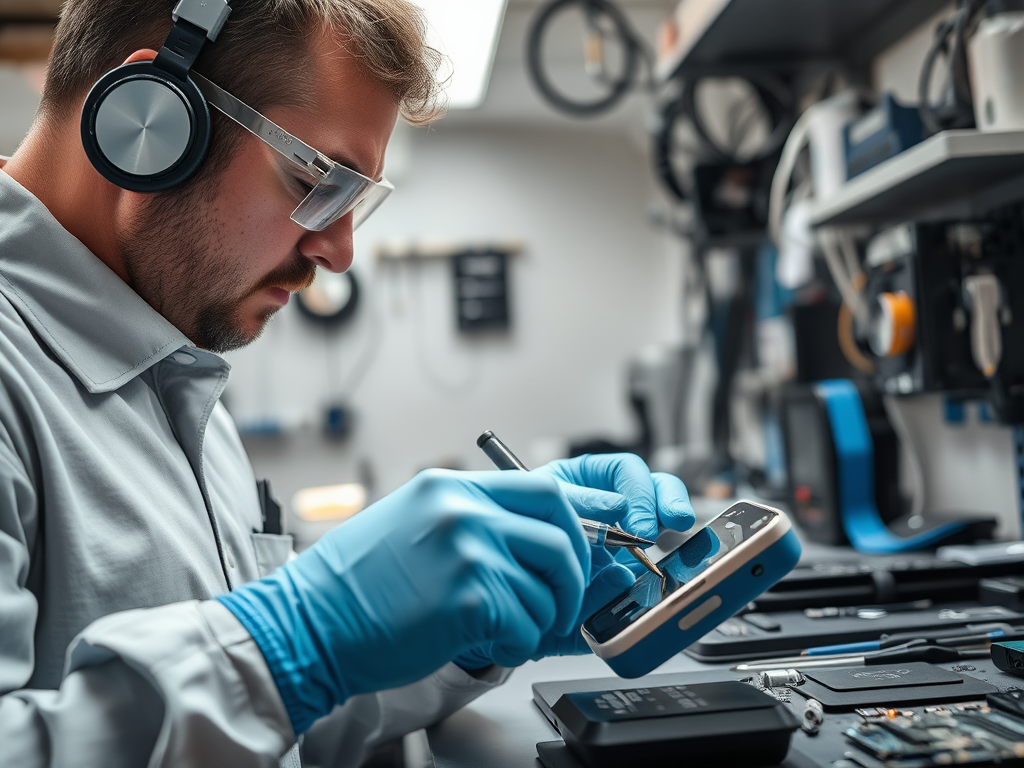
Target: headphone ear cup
[(143, 129)]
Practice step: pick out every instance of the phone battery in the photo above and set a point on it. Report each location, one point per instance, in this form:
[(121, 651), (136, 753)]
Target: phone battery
[(721, 724)]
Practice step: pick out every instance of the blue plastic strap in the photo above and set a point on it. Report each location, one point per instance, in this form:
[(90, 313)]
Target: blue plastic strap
[(855, 477)]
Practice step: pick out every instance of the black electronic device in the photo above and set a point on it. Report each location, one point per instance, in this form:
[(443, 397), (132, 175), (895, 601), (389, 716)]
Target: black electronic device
[(945, 309), (145, 125), (481, 290), (811, 418), (725, 723), (1009, 657), (847, 580), (1007, 591), (732, 199), (897, 685), (812, 469), (883, 132)]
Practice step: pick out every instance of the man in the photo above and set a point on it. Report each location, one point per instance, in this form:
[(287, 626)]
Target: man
[(134, 626)]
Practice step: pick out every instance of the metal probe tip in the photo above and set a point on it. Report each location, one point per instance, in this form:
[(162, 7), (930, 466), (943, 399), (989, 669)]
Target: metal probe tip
[(616, 537), (640, 555)]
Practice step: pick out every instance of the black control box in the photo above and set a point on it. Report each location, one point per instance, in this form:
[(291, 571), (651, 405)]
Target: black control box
[(725, 724)]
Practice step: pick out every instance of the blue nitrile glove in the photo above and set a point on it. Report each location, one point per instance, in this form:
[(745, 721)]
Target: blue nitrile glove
[(608, 580), (619, 488), (449, 562), (612, 488)]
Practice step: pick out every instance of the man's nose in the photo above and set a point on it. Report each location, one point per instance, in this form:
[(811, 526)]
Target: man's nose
[(330, 248)]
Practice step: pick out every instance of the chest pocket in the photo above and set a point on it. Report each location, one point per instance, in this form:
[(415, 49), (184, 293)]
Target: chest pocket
[(272, 551)]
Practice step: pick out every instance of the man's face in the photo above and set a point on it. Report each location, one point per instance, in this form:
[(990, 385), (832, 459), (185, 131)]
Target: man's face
[(218, 259)]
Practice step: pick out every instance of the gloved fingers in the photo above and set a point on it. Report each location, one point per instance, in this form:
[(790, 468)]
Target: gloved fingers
[(594, 504), (674, 509), (515, 643), (611, 582), (600, 558), (537, 497), (623, 473), (523, 618), (512, 656), (533, 593), (545, 550), (608, 584)]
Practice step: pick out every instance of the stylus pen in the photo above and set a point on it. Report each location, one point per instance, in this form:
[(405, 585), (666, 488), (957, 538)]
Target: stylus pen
[(598, 534)]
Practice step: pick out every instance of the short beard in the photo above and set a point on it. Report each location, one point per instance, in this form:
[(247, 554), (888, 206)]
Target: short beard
[(175, 258)]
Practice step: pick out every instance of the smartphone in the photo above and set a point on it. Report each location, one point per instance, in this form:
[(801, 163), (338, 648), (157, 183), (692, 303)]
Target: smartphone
[(711, 576)]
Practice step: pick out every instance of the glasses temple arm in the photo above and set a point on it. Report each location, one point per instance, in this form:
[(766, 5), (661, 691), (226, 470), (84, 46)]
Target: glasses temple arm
[(267, 131)]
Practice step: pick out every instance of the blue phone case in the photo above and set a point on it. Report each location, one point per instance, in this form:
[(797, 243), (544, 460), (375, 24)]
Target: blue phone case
[(735, 591)]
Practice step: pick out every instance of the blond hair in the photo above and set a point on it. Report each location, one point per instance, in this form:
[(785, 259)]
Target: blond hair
[(262, 55)]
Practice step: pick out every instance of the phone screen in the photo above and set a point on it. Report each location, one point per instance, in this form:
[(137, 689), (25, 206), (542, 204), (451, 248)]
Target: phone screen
[(693, 557)]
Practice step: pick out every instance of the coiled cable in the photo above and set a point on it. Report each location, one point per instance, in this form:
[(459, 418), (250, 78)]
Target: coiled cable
[(597, 13)]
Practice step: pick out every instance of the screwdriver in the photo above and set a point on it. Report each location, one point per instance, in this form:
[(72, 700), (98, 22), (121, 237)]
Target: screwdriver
[(598, 534)]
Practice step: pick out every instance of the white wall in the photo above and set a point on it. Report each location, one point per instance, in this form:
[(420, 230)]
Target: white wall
[(19, 97), (594, 284)]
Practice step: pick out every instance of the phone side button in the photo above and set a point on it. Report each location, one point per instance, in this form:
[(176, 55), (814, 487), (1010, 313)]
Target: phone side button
[(701, 611)]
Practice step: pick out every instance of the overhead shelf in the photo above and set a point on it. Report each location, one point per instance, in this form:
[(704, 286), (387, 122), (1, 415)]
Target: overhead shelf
[(738, 33), (951, 174)]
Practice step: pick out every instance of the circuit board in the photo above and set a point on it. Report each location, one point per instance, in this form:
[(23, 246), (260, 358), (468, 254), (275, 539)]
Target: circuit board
[(963, 734)]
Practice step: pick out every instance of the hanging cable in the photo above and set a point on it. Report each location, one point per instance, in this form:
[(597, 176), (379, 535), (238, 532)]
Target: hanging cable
[(791, 150), (829, 239), (956, 109), (916, 468), (770, 101), (605, 23), (776, 100)]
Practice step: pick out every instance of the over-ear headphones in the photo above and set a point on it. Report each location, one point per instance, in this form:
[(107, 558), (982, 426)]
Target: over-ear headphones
[(145, 125)]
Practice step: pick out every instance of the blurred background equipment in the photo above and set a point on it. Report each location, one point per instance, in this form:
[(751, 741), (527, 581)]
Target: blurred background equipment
[(941, 297), (612, 56), (843, 456), (331, 299), (481, 290), (996, 57)]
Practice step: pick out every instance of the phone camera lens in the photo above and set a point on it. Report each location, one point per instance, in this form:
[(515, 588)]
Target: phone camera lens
[(757, 570)]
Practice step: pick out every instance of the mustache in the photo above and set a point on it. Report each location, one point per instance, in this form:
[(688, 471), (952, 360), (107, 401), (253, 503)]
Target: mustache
[(295, 276)]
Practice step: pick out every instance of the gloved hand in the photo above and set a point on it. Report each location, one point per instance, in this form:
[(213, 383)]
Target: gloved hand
[(619, 488), (608, 580), (615, 489), (449, 562)]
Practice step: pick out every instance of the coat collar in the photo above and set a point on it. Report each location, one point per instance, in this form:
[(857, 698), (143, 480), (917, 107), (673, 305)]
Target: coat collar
[(92, 321)]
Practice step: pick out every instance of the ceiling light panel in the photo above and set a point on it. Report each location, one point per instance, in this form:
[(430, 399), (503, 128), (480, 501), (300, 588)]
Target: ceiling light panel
[(467, 32)]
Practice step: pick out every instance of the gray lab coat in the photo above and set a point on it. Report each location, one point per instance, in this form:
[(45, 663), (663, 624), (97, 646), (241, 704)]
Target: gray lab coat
[(126, 502)]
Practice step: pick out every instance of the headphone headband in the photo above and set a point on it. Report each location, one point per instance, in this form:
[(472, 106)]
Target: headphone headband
[(208, 15), (195, 22)]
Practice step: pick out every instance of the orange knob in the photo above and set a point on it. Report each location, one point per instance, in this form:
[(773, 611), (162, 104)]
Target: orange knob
[(892, 331)]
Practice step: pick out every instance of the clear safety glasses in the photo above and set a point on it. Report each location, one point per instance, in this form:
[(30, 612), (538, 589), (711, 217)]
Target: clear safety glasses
[(336, 190)]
